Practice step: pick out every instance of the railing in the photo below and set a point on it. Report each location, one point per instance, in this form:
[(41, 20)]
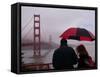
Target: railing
[(37, 66)]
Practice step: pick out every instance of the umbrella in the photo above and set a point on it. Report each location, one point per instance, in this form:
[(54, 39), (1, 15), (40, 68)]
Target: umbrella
[(78, 34)]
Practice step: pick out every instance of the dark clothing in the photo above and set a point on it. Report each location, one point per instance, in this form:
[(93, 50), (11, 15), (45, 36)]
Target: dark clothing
[(82, 62), (64, 58), (86, 62)]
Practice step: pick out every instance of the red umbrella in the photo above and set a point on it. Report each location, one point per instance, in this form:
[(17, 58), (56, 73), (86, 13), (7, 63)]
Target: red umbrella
[(78, 34)]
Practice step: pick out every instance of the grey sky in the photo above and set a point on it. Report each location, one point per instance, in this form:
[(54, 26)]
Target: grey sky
[(55, 21)]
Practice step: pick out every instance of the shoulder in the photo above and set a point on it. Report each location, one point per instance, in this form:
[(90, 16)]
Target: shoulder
[(70, 48), (89, 58), (56, 50)]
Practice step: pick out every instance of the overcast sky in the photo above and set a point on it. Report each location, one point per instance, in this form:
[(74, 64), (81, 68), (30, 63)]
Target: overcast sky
[(54, 21)]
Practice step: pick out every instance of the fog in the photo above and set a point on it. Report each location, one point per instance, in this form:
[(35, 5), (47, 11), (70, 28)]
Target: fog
[(54, 21)]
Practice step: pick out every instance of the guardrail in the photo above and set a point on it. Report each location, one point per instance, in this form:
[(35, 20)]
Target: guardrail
[(45, 66)]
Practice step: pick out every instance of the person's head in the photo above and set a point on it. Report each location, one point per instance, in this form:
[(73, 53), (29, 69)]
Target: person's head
[(81, 50), (63, 42)]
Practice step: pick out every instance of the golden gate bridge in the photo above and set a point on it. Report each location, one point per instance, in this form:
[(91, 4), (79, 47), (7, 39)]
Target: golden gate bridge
[(36, 45)]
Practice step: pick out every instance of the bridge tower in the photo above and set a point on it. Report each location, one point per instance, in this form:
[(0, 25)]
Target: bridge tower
[(37, 35)]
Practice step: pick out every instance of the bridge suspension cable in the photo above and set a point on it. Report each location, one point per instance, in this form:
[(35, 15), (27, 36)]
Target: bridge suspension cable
[(27, 23), (28, 32)]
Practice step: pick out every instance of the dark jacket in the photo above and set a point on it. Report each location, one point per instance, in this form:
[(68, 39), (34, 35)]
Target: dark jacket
[(86, 62), (64, 58)]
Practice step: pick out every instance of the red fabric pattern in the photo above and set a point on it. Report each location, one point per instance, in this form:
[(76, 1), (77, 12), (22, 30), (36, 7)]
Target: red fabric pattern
[(69, 32), (85, 38)]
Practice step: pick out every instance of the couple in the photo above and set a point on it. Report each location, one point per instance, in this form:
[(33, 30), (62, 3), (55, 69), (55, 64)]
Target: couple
[(65, 57)]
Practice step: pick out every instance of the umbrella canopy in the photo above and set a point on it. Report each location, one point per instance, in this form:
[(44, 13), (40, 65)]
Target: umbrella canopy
[(78, 34)]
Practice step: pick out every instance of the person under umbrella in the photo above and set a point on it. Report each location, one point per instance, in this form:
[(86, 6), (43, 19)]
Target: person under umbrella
[(81, 34), (85, 60), (64, 57)]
